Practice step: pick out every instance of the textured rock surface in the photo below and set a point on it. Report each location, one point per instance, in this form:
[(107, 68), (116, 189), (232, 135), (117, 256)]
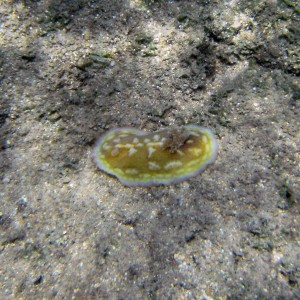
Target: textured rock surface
[(70, 70)]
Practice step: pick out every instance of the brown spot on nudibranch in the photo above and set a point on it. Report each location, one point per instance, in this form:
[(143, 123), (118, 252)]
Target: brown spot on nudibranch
[(176, 138), (167, 156)]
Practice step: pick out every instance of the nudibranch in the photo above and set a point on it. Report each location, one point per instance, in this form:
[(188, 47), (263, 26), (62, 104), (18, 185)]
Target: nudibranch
[(139, 158)]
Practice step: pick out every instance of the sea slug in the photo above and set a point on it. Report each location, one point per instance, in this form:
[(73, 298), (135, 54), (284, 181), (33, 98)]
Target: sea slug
[(139, 158)]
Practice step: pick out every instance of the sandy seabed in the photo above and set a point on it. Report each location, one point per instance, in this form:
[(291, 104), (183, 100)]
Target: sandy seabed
[(70, 71)]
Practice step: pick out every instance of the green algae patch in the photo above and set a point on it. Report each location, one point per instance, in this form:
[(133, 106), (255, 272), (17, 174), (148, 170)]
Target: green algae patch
[(139, 158)]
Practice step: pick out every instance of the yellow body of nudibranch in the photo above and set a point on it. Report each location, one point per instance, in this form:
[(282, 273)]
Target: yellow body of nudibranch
[(139, 158)]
